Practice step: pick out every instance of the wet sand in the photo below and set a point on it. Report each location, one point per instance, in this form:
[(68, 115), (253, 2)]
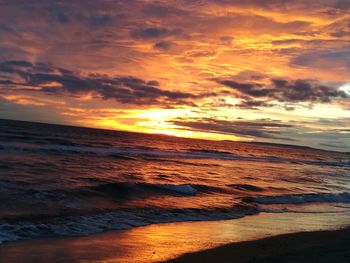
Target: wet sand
[(304, 247), (162, 242)]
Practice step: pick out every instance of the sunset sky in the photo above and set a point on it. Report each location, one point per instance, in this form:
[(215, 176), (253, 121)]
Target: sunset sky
[(260, 70)]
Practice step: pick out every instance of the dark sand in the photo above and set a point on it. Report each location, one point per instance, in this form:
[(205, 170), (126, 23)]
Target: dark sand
[(321, 246)]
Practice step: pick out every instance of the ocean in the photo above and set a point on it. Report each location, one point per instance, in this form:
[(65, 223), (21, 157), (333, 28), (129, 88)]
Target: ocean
[(59, 181)]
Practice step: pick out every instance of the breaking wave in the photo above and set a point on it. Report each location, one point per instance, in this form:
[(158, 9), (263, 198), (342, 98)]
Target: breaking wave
[(82, 225), (127, 190)]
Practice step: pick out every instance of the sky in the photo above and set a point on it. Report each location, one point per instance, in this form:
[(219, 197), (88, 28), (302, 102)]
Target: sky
[(257, 70)]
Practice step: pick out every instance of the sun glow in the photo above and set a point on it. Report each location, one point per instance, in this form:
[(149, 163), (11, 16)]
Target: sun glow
[(200, 65)]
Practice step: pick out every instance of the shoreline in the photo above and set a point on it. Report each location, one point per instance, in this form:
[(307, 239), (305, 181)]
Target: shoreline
[(151, 243), (302, 247)]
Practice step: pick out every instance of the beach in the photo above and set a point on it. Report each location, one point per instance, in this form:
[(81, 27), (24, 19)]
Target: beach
[(304, 247), (239, 240)]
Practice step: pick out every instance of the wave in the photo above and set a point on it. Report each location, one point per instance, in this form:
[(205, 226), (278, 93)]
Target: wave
[(126, 190), (86, 224), (209, 151), (115, 151), (142, 153), (82, 225), (296, 199), (120, 152), (246, 187)]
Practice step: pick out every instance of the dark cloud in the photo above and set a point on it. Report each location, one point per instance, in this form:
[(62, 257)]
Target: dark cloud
[(204, 53), (263, 128), (100, 20), (339, 59), (226, 40), (14, 66), (286, 4), (342, 4), (253, 104), (145, 33), (260, 94), (304, 90), (286, 41), (164, 10), (340, 33), (163, 45), (58, 81)]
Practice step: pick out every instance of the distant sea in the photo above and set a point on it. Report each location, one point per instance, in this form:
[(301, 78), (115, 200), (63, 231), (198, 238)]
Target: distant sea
[(71, 181)]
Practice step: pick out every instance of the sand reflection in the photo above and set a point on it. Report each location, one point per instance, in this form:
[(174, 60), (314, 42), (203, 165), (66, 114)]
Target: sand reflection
[(164, 241)]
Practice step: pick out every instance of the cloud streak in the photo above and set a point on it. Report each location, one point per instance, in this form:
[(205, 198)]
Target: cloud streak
[(257, 129), (263, 94), (58, 81)]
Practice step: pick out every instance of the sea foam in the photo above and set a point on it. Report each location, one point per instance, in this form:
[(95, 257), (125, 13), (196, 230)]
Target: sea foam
[(302, 198)]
